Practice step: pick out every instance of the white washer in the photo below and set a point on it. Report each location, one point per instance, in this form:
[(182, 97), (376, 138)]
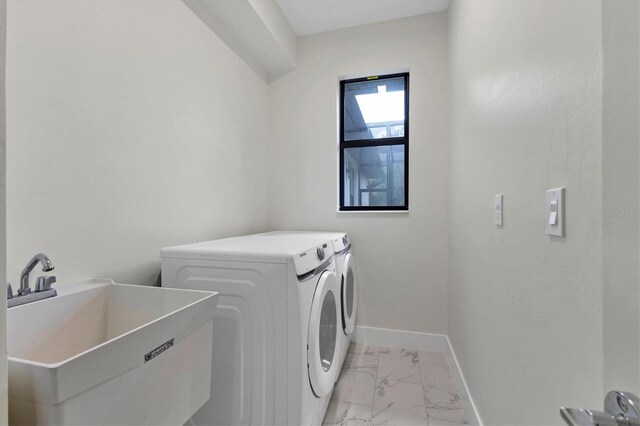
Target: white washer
[(276, 326), (346, 273)]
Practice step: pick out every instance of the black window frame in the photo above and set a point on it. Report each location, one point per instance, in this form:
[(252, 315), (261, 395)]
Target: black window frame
[(363, 143)]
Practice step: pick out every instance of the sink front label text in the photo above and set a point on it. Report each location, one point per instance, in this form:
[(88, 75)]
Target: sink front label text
[(157, 351)]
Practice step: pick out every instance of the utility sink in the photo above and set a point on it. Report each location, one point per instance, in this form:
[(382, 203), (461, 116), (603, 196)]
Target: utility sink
[(110, 354)]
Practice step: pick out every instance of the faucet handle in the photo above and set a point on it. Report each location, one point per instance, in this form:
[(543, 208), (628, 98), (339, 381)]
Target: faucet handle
[(44, 283), (583, 417), (623, 406), (9, 291), (620, 409)]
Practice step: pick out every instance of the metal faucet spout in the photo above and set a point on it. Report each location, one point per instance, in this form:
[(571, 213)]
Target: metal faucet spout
[(24, 276)]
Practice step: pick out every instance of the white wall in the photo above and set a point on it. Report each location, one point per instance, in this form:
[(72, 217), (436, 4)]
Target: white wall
[(131, 127), (401, 258), (621, 200), (525, 309), (3, 313)]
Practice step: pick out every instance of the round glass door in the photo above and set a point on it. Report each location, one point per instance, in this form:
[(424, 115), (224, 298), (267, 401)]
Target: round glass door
[(349, 294), (323, 335), (328, 331)]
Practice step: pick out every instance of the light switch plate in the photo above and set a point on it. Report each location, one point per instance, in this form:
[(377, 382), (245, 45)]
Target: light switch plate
[(497, 212), (555, 212)]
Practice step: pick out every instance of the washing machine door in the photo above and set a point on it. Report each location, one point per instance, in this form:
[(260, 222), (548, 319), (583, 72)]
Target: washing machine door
[(323, 335), (349, 288)]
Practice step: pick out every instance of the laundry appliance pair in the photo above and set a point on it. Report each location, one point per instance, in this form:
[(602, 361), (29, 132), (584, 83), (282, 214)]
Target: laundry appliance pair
[(286, 307), (346, 273)]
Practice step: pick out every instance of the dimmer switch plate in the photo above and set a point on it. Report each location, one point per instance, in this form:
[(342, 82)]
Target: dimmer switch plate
[(555, 212), (497, 213)]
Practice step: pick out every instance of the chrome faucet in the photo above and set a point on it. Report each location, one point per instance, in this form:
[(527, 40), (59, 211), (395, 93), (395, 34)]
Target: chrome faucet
[(43, 289), (620, 409), (24, 276)]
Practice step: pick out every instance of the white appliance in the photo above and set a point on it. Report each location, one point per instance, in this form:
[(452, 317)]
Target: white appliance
[(276, 326), (346, 273)]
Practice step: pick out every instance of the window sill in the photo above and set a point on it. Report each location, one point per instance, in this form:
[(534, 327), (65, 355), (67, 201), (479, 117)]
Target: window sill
[(373, 211)]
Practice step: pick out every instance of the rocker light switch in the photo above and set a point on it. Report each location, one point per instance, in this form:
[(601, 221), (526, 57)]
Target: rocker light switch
[(555, 212), (497, 214)]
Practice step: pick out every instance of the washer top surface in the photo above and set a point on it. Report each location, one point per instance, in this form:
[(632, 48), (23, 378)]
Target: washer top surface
[(307, 253), (339, 240)]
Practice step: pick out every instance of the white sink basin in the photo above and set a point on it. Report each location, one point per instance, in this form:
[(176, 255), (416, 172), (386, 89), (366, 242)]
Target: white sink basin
[(110, 354)]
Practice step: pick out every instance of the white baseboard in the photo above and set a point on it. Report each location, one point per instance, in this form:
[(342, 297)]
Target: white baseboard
[(461, 383), (421, 342)]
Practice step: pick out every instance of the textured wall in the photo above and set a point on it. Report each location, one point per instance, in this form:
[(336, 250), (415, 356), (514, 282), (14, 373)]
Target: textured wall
[(401, 257), (525, 309), (3, 328), (131, 127), (621, 188)]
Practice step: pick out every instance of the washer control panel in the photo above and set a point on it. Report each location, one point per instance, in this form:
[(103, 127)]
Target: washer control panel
[(308, 260), (340, 243)]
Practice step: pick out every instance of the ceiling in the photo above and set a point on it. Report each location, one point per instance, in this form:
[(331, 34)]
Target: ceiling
[(316, 16)]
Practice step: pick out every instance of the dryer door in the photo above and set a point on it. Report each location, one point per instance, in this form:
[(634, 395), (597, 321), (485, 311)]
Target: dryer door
[(349, 294), (323, 335)]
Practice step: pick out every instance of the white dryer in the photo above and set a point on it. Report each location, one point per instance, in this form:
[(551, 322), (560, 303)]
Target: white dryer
[(346, 273), (276, 326)]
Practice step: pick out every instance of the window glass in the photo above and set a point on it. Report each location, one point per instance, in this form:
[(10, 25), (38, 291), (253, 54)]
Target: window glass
[(374, 109), (374, 143), (374, 176)]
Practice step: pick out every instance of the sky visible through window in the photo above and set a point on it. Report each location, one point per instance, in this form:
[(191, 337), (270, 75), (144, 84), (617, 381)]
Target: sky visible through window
[(382, 107)]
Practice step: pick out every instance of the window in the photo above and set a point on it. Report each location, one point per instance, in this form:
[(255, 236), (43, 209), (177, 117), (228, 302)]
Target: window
[(374, 143)]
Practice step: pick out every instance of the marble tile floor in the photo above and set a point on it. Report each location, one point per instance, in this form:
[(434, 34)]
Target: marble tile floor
[(392, 386)]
